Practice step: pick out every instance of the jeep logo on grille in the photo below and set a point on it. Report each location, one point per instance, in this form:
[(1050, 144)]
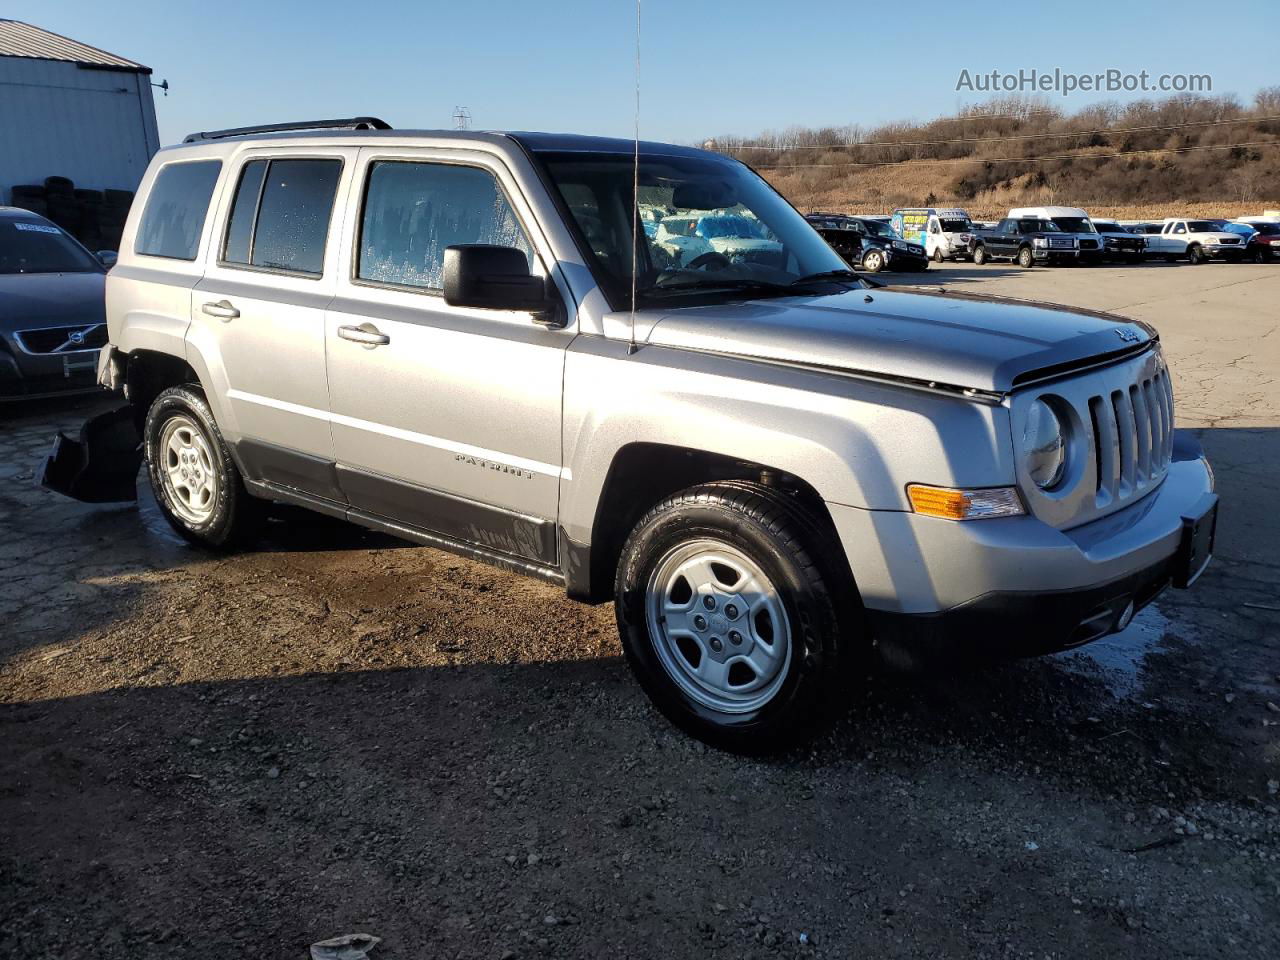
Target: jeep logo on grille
[(1128, 336)]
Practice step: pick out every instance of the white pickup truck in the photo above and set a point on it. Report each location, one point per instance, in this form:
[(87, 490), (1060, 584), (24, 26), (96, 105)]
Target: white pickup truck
[(1195, 241)]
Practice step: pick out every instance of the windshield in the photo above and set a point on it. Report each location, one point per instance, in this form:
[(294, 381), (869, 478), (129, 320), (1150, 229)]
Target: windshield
[(1074, 224), (878, 228), (31, 246), (955, 226), (1038, 226), (1107, 226), (1266, 229), (724, 232), (1204, 226)]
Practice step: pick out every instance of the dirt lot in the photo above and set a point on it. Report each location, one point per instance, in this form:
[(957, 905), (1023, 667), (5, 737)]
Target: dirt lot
[(224, 757)]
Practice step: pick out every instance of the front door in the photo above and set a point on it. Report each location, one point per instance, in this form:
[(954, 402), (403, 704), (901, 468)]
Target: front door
[(259, 311), (445, 419)]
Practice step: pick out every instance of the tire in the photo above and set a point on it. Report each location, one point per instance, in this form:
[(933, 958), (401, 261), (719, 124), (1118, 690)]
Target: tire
[(979, 255), (723, 532), (873, 261), (937, 255), (181, 437), (1026, 258), (1195, 255)]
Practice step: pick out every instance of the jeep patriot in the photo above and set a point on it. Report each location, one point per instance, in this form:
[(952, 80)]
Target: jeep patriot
[(772, 466)]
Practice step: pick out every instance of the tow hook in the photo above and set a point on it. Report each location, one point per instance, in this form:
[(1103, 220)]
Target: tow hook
[(102, 465)]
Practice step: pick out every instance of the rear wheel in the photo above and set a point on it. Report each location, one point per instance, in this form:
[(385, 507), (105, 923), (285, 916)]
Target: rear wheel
[(979, 255), (1025, 257), (196, 483), (728, 616)]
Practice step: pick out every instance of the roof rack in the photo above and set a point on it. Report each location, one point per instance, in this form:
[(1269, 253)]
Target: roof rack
[(351, 123)]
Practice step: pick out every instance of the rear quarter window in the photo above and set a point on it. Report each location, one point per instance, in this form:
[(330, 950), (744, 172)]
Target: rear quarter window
[(175, 211)]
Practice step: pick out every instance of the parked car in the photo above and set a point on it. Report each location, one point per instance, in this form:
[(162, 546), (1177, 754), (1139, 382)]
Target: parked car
[(1196, 241), (1263, 244), (733, 237), (1119, 243), (945, 233), (868, 243), (772, 469), (52, 319), (1027, 241), (1072, 221)]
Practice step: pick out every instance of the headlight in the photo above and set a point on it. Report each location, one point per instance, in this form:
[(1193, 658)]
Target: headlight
[(1044, 445), (899, 245), (1039, 242)]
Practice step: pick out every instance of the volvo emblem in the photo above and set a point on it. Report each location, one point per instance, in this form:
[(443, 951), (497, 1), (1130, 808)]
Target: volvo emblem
[(1127, 335), (76, 337)]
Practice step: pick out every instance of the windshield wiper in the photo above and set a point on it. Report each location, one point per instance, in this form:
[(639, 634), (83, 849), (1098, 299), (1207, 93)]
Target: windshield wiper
[(759, 286), (826, 275)]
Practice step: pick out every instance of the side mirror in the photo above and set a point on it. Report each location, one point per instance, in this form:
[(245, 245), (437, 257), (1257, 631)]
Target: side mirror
[(107, 258), (497, 278)]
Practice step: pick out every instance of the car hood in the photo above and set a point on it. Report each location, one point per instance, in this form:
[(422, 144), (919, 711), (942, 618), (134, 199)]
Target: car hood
[(1216, 237), (951, 339), (33, 300)]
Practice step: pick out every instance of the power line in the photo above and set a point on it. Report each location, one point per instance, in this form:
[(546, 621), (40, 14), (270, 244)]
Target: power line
[(1064, 156), (1022, 136)]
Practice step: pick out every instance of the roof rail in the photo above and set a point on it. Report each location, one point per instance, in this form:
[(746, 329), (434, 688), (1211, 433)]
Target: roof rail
[(351, 123)]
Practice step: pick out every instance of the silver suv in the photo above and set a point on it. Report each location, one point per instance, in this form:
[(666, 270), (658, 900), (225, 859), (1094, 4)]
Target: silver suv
[(772, 466)]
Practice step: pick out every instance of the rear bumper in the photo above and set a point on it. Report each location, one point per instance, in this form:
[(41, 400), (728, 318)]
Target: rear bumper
[(1017, 585)]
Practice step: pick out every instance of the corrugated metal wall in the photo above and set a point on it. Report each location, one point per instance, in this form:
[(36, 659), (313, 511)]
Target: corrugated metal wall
[(97, 127)]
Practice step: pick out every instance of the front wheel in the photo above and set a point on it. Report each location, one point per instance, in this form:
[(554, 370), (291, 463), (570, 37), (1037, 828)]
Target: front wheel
[(937, 255), (195, 481), (1025, 257), (728, 616), (1195, 255), (979, 255), (873, 262)]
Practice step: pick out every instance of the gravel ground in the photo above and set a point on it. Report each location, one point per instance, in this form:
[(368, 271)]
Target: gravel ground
[(238, 756)]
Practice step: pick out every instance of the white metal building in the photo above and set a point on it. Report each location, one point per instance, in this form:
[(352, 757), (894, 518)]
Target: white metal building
[(68, 109)]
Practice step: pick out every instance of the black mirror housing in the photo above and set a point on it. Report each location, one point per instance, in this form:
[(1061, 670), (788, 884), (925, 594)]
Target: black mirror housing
[(494, 278)]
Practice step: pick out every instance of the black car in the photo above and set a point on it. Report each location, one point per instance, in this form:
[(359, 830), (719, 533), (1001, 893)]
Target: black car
[(868, 244), (52, 313)]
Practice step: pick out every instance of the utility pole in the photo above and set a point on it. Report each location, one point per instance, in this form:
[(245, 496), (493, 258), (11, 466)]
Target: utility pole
[(461, 118)]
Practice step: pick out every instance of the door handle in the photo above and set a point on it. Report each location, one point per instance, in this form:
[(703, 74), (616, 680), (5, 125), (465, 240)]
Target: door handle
[(367, 335), (223, 310)]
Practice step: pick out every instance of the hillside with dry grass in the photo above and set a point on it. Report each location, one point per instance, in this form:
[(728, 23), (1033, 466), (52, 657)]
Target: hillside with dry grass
[(1193, 156)]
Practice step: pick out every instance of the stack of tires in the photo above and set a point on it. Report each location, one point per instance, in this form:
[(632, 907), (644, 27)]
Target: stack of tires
[(94, 217)]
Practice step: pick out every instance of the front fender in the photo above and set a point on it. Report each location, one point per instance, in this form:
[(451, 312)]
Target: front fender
[(856, 442)]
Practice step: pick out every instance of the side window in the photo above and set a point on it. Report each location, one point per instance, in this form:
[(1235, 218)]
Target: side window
[(1180, 228), (243, 213), (280, 216), (413, 211), (175, 211)]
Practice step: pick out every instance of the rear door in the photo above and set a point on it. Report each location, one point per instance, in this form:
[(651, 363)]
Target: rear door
[(260, 310), (446, 419)]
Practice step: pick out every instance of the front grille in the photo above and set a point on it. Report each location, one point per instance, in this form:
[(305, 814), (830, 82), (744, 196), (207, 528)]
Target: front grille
[(1088, 244), (1132, 438), (1061, 243), (63, 339), (1225, 241)]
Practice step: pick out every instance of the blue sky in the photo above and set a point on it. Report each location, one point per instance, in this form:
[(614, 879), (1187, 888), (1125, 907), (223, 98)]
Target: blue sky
[(708, 66)]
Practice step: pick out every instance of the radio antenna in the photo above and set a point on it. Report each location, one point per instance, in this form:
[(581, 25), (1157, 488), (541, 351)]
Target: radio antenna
[(635, 197)]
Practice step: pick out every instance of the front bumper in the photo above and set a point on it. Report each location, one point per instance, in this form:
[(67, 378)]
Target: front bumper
[(935, 589), (1217, 251), (27, 376)]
